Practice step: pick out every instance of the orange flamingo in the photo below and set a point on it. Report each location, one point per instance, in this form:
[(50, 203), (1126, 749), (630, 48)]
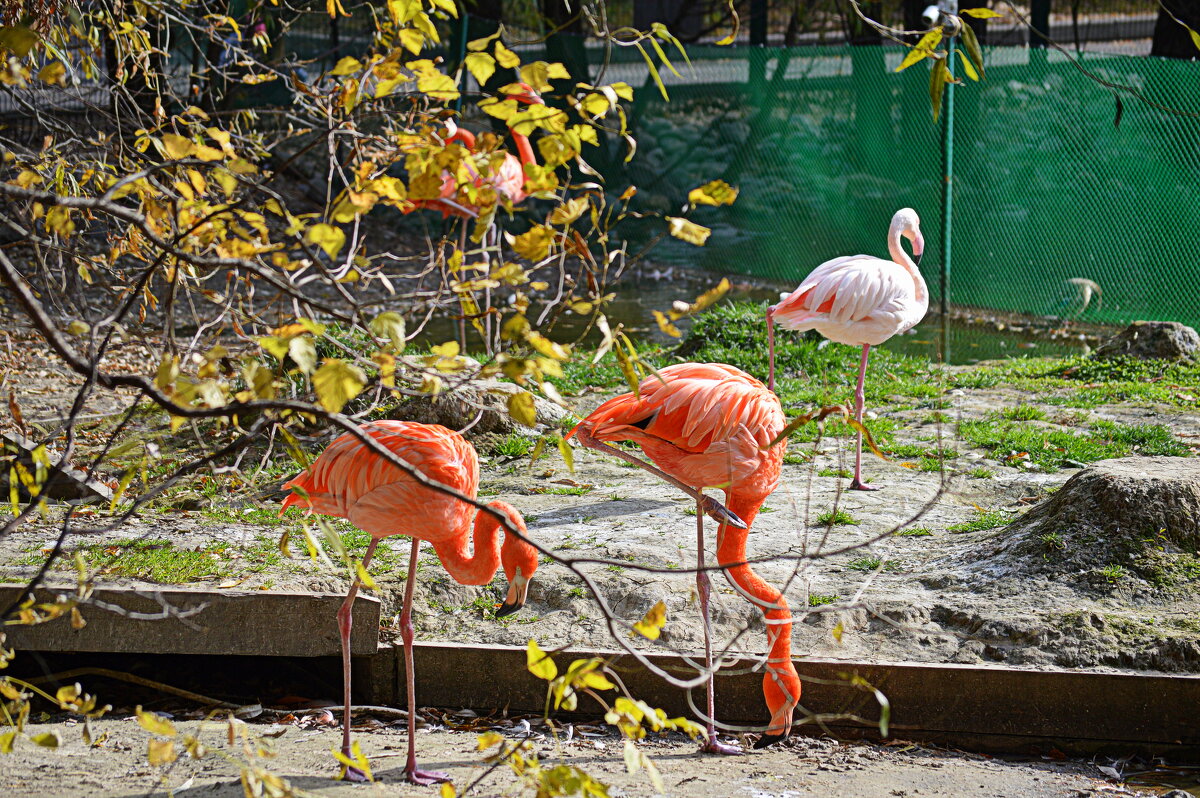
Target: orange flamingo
[(351, 481), (705, 425), (861, 301), (508, 179)]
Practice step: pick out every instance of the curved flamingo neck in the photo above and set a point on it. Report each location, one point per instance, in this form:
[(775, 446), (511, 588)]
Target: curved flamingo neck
[(478, 567), (896, 250), (466, 137), (524, 148)]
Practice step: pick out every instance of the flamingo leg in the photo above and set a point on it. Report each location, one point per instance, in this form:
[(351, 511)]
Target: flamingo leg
[(704, 590), (412, 773), (705, 504), (859, 399), (771, 349), (345, 623)]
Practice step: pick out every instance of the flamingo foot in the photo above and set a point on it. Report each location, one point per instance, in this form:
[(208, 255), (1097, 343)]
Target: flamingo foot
[(354, 776), (423, 778), (721, 514), (858, 484), (714, 746), (768, 739)]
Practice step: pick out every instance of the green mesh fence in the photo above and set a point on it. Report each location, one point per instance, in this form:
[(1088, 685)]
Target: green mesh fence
[(826, 143)]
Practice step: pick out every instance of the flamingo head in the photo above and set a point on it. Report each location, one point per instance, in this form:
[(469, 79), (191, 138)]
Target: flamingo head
[(908, 224), (519, 559), (524, 93)]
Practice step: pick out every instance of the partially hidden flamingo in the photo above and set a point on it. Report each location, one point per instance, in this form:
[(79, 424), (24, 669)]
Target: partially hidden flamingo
[(706, 425), (351, 481), (507, 179), (858, 300)]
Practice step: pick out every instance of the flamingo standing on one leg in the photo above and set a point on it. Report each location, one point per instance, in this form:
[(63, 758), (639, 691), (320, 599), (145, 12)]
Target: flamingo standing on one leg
[(705, 424), (861, 301), (351, 481)]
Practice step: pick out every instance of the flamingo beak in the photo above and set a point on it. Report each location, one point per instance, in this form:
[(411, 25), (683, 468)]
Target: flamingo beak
[(515, 600), (918, 247)]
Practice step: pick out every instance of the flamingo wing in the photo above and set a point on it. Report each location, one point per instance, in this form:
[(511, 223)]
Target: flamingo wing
[(353, 482), (845, 291)]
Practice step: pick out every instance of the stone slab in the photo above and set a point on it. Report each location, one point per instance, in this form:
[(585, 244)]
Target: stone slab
[(253, 623), (982, 707)]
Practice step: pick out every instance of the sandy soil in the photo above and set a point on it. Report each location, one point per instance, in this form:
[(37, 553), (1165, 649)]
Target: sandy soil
[(118, 767)]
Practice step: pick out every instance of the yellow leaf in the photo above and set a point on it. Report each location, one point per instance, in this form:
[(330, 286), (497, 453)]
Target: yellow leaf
[(969, 69), (327, 237), (506, 57), (487, 740), (568, 454), (176, 147), (337, 382), (837, 631), (716, 192), (534, 244), (1195, 38), (52, 73), (539, 663), (154, 724), (923, 48), (650, 626), (482, 66), (665, 324), (412, 40), (569, 211), (389, 325), (6, 742), (688, 231), (447, 790), (363, 575), (18, 38), (46, 739), (447, 350), (160, 752), (348, 65), (522, 409), (980, 13)]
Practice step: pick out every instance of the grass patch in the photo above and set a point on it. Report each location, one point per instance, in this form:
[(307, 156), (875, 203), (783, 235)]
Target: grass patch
[(1082, 382), (1052, 449), (984, 519), (835, 472), (915, 532), (838, 517), (513, 445), (1023, 413), (981, 473), (820, 600), (160, 561)]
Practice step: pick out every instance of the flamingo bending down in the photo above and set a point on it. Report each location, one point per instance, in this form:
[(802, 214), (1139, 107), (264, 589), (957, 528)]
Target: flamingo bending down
[(351, 481), (508, 179), (705, 424), (861, 301)]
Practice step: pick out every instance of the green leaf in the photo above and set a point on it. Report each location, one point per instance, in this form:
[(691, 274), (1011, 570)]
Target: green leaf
[(1195, 38), (974, 51), (539, 663), (337, 382), (922, 49), (6, 742), (938, 77), (327, 237), (688, 231), (18, 38), (981, 13)]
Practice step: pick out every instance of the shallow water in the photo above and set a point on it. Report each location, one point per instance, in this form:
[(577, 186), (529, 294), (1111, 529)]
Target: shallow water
[(970, 338)]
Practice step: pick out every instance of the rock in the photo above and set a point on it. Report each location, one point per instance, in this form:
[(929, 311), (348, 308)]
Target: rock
[(1134, 516), (457, 408), (1159, 340), (71, 485)]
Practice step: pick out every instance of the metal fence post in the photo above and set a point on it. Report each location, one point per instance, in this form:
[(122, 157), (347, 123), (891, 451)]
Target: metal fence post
[(948, 7)]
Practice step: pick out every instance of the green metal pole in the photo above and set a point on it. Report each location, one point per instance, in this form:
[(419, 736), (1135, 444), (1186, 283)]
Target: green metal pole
[(947, 200)]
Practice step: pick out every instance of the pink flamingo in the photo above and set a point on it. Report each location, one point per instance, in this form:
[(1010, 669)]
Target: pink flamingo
[(508, 179), (351, 481), (861, 301), (706, 425)]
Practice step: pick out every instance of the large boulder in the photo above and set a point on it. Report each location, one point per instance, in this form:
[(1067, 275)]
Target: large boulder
[(1157, 340), (1124, 520)]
